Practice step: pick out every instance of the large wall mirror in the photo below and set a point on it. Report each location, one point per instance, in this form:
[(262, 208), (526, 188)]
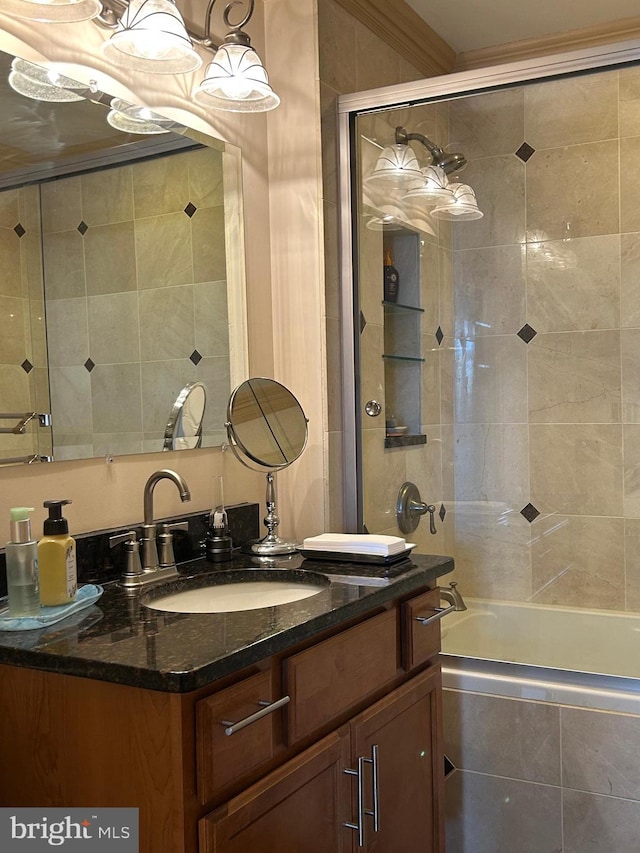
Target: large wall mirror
[(122, 278)]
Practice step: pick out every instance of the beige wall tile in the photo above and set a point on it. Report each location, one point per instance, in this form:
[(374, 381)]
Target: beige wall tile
[(10, 263), (486, 814), (13, 346), (631, 459), (576, 468), (575, 284), (9, 208), (330, 191), (208, 244), (67, 332), (474, 736), (334, 374), (31, 249), (64, 262), (116, 444), (167, 326), (372, 373), (211, 318), (488, 125), (114, 335), (570, 111), (593, 823), (632, 563), (206, 187), (431, 373), (163, 251), (629, 184), (578, 561), (61, 202), (377, 64), (489, 291), (630, 280), (37, 333), (337, 38), (490, 544), (630, 357), (162, 381), (629, 101), (383, 472), (492, 464), (107, 196), (601, 753), (499, 185), (110, 258), (160, 186), (569, 194), (214, 373), (115, 398), (70, 400), (491, 380), (574, 377)]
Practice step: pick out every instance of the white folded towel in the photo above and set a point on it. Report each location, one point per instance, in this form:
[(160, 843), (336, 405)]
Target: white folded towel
[(356, 543)]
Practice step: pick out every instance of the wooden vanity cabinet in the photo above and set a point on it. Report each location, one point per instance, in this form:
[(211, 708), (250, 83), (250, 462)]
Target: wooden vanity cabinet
[(283, 784)]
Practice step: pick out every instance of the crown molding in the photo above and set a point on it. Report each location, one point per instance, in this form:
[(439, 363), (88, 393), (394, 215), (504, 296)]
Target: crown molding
[(399, 26), (586, 37)]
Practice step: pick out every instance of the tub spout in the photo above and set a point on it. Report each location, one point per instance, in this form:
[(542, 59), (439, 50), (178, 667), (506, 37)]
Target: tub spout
[(452, 595)]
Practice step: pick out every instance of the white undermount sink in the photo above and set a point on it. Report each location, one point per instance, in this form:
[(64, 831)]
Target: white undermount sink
[(236, 596)]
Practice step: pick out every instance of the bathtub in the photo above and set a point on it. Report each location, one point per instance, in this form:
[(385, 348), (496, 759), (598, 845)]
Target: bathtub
[(565, 655)]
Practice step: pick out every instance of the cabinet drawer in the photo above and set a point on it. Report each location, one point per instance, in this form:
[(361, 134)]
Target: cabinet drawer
[(420, 642), (336, 675), (223, 759)]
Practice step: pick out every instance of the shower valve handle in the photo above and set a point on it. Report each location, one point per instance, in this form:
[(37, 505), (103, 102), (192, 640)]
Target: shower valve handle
[(409, 509)]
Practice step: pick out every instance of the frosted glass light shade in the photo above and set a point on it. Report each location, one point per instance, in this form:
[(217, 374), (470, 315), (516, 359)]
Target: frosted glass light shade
[(463, 206), (151, 36), (131, 118), (236, 80), (53, 11), (396, 166), (434, 188), (42, 84)]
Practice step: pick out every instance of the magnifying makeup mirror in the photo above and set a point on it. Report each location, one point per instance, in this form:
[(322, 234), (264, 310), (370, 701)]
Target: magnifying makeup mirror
[(184, 427), (267, 431)]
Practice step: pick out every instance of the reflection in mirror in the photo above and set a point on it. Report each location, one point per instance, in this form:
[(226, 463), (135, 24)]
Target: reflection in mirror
[(267, 426), (122, 278), (184, 427)]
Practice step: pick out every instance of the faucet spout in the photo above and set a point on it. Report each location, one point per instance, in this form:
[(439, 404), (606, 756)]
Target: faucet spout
[(154, 479), (452, 595), (150, 562)]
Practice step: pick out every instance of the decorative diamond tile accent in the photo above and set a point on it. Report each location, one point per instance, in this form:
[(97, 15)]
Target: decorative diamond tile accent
[(529, 512), (89, 364), (527, 333), (20, 231), (364, 529), (525, 151), (363, 322), (449, 766), (26, 366), (439, 335), (190, 209), (195, 357), (442, 512), (83, 228)]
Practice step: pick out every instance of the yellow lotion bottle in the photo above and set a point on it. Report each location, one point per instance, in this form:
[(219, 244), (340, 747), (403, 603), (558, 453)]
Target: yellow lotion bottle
[(57, 558)]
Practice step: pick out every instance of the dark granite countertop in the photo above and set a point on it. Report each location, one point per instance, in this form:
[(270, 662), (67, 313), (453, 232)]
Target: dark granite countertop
[(119, 639)]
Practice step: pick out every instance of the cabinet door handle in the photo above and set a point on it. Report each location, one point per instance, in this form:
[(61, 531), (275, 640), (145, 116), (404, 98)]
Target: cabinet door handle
[(268, 708), (376, 789), (438, 613), (359, 826)]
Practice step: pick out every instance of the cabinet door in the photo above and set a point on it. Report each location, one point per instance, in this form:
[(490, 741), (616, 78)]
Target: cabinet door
[(406, 728), (302, 806)]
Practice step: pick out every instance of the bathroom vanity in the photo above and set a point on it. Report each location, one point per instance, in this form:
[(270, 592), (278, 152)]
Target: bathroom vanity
[(310, 726)]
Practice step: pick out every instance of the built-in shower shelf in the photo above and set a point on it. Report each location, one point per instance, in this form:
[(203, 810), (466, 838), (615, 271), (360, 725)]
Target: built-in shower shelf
[(404, 440), (409, 358), (392, 307)]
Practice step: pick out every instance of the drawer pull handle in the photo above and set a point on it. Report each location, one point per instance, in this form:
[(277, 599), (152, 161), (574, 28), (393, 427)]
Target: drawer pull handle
[(267, 708), (375, 813), (438, 613)]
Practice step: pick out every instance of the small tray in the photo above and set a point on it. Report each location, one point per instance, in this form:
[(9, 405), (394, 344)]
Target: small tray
[(87, 595), (370, 559)]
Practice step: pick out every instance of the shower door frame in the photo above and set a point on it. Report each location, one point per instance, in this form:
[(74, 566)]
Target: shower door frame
[(406, 95)]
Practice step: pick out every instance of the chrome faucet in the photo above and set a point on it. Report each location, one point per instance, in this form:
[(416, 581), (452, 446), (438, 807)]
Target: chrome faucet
[(452, 595), (150, 563)]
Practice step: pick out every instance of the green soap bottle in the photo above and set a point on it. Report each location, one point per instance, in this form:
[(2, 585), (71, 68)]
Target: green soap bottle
[(22, 565), (57, 558)]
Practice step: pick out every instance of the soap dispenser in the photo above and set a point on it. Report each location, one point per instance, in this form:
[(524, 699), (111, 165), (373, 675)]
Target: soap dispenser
[(57, 558), (22, 565)]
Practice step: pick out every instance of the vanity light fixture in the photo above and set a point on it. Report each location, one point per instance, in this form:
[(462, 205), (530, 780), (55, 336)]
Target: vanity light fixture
[(397, 167), (462, 206), (53, 11), (131, 118), (42, 84)]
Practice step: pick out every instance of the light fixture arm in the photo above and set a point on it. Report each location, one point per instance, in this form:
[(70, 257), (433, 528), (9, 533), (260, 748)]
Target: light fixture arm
[(403, 138)]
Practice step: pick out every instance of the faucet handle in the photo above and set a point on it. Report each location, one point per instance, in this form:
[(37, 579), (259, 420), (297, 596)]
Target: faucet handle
[(133, 568), (166, 557)]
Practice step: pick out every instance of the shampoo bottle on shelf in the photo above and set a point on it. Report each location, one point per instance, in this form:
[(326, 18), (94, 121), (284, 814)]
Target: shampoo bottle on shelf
[(22, 565), (57, 558), (391, 278)]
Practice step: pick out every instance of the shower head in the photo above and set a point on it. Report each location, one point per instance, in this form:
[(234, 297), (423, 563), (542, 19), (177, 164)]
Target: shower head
[(448, 162)]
